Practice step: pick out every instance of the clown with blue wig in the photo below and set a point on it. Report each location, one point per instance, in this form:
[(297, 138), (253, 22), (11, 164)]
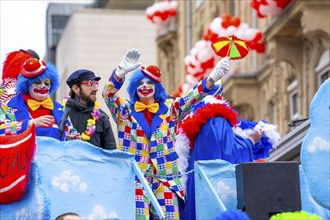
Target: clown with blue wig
[(147, 125), (32, 105)]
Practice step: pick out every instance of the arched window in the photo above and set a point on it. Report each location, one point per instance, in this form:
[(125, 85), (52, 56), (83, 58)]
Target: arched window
[(292, 90), (322, 70)]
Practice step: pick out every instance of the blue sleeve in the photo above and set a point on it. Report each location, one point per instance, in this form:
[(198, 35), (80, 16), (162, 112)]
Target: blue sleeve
[(216, 140)]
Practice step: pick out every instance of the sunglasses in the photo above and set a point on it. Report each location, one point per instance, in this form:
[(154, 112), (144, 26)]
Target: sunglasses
[(91, 83)]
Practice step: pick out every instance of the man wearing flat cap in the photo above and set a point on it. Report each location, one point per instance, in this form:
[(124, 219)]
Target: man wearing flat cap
[(87, 118)]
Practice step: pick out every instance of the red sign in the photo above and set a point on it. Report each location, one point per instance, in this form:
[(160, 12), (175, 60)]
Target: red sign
[(16, 155)]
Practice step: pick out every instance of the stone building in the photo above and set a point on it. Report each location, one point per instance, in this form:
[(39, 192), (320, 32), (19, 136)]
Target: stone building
[(277, 85)]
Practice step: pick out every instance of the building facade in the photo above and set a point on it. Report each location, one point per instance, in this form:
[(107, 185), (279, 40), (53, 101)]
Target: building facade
[(277, 85), (57, 16)]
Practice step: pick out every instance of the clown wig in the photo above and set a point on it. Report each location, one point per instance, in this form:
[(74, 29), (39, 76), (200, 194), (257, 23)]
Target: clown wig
[(50, 72), (160, 93)]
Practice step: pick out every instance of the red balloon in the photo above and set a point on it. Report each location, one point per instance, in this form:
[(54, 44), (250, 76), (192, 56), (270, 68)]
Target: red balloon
[(226, 17), (259, 36), (282, 3), (226, 20), (235, 21), (210, 36), (260, 15), (225, 24), (172, 12), (260, 48), (164, 15), (255, 4), (208, 64)]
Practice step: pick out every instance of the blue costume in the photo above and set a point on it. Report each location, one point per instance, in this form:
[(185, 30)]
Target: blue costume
[(22, 114), (216, 139), (223, 144)]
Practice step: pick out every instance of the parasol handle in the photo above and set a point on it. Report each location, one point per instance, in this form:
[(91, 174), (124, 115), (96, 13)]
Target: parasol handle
[(231, 42)]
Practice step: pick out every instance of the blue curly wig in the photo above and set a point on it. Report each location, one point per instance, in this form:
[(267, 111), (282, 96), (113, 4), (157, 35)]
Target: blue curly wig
[(138, 75), (23, 83)]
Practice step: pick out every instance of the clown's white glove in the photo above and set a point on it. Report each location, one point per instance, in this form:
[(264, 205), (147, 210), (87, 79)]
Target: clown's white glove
[(220, 69), (128, 63)]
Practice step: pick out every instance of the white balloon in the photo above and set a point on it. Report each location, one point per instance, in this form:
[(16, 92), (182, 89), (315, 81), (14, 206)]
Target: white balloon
[(191, 70), (240, 34), (150, 10), (173, 4), (215, 26), (161, 6), (231, 30), (193, 51), (200, 44), (250, 34), (204, 56), (243, 26), (159, 21), (191, 80), (187, 59), (186, 87)]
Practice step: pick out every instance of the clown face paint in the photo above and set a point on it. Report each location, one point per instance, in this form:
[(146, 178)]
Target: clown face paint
[(146, 89), (39, 90)]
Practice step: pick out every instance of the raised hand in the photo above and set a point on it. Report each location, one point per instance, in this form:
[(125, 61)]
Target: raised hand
[(128, 63), (220, 69)]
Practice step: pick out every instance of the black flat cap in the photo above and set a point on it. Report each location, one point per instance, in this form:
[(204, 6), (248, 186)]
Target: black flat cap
[(81, 75)]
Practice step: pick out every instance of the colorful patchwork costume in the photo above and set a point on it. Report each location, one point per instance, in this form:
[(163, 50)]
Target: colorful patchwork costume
[(153, 145)]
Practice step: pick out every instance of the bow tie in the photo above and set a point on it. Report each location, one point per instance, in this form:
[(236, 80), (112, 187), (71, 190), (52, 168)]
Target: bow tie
[(139, 107), (34, 105)]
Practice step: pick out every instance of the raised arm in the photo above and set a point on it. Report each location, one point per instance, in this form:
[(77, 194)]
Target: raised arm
[(220, 70)]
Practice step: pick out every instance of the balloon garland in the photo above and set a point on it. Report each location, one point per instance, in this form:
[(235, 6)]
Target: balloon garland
[(266, 7), (202, 59), (163, 14)]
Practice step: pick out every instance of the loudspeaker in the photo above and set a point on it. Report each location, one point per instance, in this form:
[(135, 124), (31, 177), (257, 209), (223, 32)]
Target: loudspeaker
[(265, 189)]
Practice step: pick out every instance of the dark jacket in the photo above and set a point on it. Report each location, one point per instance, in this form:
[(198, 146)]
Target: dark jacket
[(103, 136)]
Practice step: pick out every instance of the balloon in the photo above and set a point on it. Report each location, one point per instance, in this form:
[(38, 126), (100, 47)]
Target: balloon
[(200, 44), (255, 4), (226, 20), (215, 25), (260, 48), (186, 87), (191, 80), (160, 12), (231, 30), (204, 56), (282, 3), (258, 37), (209, 64), (235, 21), (264, 10)]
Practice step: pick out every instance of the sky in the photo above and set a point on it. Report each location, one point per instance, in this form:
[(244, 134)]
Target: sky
[(23, 24)]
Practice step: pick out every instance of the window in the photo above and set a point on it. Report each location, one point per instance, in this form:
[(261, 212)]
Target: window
[(59, 21), (271, 112), (322, 70), (293, 99)]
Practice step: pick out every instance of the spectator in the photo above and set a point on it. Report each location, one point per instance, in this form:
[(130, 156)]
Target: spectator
[(87, 118)]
